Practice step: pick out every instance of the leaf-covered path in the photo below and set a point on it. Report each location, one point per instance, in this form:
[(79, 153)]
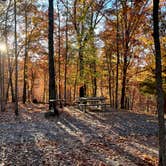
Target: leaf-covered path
[(77, 139)]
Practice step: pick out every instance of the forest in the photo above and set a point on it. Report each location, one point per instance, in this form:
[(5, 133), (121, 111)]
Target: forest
[(82, 82)]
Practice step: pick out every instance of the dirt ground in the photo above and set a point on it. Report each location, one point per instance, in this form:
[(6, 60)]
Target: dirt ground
[(95, 138)]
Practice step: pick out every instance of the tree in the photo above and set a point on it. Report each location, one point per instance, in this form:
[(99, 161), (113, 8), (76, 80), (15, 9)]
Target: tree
[(67, 50), (59, 49), (26, 56), (52, 90), (160, 94), (16, 59), (85, 17), (117, 62)]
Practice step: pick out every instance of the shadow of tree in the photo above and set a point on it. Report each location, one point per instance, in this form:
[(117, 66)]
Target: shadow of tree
[(74, 139)]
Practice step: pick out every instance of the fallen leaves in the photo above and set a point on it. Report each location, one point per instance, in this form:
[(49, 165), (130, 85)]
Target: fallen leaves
[(76, 138)]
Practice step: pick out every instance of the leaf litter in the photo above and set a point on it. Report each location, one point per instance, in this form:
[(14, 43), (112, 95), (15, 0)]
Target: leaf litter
[(110, 138)]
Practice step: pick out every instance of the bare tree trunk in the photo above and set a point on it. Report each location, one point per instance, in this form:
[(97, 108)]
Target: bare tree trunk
[(160, 94), (52, 90), (117, 63), (125, 54), (16, 59), (66, 53), (25, 61), (7, 52), (59, 51)]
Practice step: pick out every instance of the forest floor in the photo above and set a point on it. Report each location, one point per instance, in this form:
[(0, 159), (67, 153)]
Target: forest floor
[(95, 138)]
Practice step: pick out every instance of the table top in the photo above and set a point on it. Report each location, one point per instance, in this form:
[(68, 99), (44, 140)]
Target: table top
[(92, 99), (52, 100)]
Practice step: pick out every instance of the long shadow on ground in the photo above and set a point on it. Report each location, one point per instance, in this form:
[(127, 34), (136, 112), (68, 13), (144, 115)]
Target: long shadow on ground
[(77, 139)]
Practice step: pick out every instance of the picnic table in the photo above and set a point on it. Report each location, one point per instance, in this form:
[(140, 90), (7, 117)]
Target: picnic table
[(59, 102), (92, 102)]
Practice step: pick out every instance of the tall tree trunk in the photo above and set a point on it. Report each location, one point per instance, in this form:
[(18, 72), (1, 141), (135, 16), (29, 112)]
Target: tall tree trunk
[(66, 53), (25, 61), (117, 63), (1, 88), (125, 54), (16, 59), (160, 94), (59, 51), (7, 50), (52, 90)]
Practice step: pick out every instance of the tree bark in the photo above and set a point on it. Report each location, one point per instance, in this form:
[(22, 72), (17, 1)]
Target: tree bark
[(160, 93), (24, 98), (83, 90), (52, 90), (59, 51), (16, 59), (66, 53), (117, 62), (123, 86)]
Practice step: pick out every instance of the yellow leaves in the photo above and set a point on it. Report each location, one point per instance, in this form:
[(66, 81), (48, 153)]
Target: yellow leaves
[(36, 20), (150, 159)]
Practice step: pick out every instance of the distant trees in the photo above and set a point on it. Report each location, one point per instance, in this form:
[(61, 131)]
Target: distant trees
[(121, 39), (85, 18)]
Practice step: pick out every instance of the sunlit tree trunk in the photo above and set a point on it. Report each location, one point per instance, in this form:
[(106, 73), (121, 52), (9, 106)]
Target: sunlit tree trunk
[(59, 51), (66, 53), (160, 94), (7, 51), (25, 61)]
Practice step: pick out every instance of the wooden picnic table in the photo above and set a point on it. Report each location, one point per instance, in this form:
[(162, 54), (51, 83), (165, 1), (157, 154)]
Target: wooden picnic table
[(59, 102), (92, 102)]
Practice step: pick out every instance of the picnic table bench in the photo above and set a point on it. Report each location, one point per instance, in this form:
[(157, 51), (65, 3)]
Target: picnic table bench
[(92, 102)]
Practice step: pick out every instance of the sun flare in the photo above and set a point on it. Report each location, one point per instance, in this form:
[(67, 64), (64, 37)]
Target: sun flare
[(2, 47)]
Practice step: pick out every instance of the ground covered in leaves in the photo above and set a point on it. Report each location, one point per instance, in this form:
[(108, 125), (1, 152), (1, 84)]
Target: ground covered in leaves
[(110, 138)]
